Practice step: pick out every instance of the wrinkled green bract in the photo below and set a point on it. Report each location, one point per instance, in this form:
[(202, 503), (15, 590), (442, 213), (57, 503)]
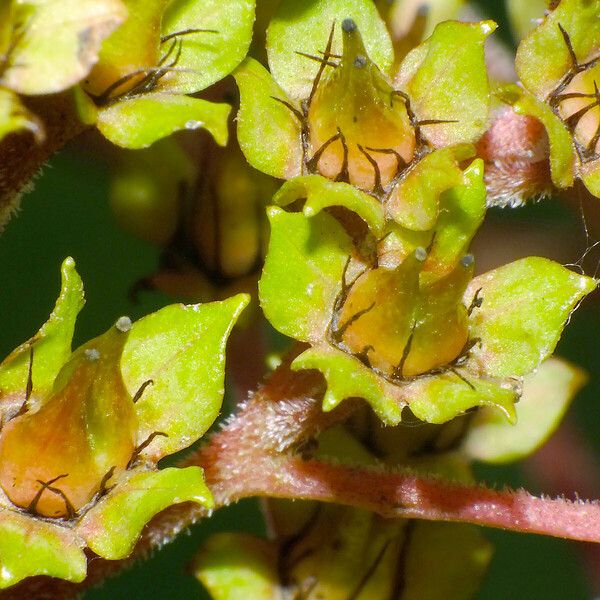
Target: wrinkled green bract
[(14, 117), (208, 56), (104, 415), (321, 193), (114, 525), (278, 153), (29, 548), (525, 306)]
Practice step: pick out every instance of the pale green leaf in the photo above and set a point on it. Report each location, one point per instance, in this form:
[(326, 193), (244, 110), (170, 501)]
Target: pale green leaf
[(415, 201), (51, 344), (451, 82), (305, 27), (58, 42), (321, 193), (445, 561), (579, 18), (30, 547), (112, 527), (303, 272), (546, 396), (207, 56), (525, 307), (139, 122), (181, 349), (268, 132), (238, 566)]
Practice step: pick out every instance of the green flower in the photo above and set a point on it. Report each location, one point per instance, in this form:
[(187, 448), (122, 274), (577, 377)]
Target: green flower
[(83, 432), (396, 335), (563, 93), (335, 105)]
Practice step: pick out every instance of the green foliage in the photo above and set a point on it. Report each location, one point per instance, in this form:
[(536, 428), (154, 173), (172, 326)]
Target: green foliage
[(139, 122), (321, 193), (138, 80), (268, 132), (113, 526)]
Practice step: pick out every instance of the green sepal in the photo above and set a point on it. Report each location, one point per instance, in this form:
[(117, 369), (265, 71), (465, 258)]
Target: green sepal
[(238, 566), (562, 151), (14, 117), (547, 394), (303, 272), (579, 18), (206, 57), (525, 306), (51, 344), (414, 203), (267, 130), (30, 547), (347, 377), (462, 209), (181, 349), (446, 561), (139, 122), (112, 527), (59, 44), (321, 193), (439, 398), (450, 82), (305, 27)]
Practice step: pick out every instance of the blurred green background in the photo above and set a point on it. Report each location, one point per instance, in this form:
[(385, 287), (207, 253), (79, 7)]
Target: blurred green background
[(67, 214)]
